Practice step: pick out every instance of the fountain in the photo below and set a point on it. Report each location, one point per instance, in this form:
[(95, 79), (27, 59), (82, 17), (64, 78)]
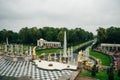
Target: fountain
[(49, 57), (55, 57), (61, 62), (60, 57), (71, 51), (30, 51), (11, 50), (69, 56), (5, 48), (65, 46)]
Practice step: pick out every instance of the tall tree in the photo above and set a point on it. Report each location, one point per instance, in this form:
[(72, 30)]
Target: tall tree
[(24, 35), (101, 35), (110, 72), (113, 35), (94, 70), (31, 35), (60, 36)]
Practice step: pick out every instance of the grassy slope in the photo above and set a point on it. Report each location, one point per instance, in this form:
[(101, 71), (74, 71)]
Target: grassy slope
[(102, 75), (104, 58), (38, 52), (79, 45)]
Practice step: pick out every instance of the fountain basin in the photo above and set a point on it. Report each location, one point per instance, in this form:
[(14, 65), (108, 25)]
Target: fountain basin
[(55, 65)]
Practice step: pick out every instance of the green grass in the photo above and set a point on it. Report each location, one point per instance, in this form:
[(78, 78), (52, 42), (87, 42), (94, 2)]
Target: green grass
[(102, 75), (39, 52), (79, 45), (105, 59)]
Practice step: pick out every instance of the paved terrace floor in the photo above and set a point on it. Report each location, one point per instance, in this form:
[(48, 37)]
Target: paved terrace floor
[(24, 68)]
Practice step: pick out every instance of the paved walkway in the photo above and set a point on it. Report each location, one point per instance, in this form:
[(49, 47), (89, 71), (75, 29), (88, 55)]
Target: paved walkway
[(27, 68)]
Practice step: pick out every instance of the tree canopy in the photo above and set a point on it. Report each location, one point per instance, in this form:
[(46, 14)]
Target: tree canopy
[(109, 35), (31, 35)]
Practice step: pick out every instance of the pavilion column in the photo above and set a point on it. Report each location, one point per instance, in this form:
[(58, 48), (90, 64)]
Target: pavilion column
[(112, 47), (37, 42), (45, 45), (102, 48), (116, 48), (105, 48), (108, 48), (51, 45)]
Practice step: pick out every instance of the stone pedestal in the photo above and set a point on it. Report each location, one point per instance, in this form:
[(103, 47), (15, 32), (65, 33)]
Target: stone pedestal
[(15, 59), (80, 65), (34, 57)]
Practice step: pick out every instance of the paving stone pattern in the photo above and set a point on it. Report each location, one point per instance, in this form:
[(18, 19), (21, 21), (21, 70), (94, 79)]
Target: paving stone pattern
[(27, 68)]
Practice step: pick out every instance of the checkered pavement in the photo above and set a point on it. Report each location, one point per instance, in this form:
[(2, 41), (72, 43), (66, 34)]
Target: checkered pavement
[(27, 68)]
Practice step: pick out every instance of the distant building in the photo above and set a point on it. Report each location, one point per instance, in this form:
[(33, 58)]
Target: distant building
[(46, 44), (110, 47), (114, 51)]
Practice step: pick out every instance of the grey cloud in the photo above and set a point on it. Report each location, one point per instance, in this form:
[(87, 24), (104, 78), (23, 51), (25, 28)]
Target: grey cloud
[(88, 14)]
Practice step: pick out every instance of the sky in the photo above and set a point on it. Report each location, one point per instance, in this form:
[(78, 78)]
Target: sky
[(85, 14)]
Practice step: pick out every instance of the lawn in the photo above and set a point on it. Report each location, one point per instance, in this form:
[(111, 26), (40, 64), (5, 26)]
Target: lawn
[(79, 45), (38, 52), (102, 75), (105, 59)]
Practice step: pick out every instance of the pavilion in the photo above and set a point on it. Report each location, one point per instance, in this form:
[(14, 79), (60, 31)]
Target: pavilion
[(110, 47), (46, 44)]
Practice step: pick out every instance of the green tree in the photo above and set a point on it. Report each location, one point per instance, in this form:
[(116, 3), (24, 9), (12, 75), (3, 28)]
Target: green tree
[(119, 73), (12, 36), (110, 72), (109, 35), (101, 35), (60, 36), (31, 35), (113, 34), (24, 35), (94, 70)]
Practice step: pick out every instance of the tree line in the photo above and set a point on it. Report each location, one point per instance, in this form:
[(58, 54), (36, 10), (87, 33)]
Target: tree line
[(109, 35), (31, 35)]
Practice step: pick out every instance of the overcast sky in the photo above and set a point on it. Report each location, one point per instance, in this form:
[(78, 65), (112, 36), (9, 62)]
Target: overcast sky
[(87, 14)]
